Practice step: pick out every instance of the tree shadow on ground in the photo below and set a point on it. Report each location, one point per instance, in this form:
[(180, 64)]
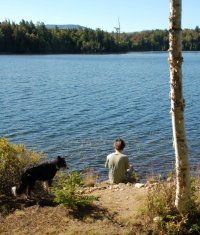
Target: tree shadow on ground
[(93, 212), (9, 203)]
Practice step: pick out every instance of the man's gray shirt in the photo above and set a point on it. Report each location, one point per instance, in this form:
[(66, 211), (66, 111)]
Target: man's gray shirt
[(117, 163)]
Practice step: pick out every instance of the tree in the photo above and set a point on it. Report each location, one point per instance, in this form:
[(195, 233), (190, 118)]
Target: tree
[(182, 201)]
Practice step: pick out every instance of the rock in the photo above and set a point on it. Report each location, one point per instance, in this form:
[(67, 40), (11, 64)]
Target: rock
[(169, 179), (156, 219), (121, 185), (139, 185), (116, 186)]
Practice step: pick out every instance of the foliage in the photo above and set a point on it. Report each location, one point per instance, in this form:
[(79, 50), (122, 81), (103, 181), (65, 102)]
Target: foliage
[(13, 159), (133, 177), (69, 191), (27, 37), (89, 177), (161, 211)]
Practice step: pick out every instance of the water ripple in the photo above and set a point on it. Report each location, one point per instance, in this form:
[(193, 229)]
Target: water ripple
[(78, 104)]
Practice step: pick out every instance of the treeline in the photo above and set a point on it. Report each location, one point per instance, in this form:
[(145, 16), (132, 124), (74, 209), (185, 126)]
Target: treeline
[(27, 37)]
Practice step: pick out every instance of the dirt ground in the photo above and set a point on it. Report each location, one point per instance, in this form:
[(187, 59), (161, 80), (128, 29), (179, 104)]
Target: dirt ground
[(115, 212)]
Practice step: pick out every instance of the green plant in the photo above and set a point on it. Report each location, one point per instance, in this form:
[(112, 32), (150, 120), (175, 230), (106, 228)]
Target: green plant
[(134, 177), (162, 215), (13, 158), (69, 191), (89, 177)]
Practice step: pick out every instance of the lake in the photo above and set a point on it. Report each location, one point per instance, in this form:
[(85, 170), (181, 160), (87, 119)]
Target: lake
[(76, 105)]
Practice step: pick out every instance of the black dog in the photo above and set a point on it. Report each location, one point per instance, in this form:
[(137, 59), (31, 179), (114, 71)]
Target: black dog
[(43, 172)]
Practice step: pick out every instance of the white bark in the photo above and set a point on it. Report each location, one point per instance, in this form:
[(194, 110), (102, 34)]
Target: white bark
[(182, 201)]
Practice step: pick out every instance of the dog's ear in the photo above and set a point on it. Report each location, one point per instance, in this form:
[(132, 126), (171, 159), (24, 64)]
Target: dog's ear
[(60, 158)]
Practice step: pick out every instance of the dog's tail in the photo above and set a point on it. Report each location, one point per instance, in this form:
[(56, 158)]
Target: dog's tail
[(17, 191), (14, 191)]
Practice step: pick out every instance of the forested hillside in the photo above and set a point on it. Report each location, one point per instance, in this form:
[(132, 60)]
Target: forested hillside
[(27, 37)]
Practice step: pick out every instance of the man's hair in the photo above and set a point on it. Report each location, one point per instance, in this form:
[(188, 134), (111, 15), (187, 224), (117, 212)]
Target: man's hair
[(119, 144)]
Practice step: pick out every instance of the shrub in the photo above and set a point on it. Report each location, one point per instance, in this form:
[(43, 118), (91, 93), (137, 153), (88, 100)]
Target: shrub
[(164, 217), (69, 191), (134, 177), (13, 159), (89, 177)]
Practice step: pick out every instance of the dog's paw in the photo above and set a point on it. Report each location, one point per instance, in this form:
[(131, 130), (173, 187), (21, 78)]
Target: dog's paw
[(13, 190)]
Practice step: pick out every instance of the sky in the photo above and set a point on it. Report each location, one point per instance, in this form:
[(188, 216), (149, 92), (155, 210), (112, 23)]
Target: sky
[(133, 15)]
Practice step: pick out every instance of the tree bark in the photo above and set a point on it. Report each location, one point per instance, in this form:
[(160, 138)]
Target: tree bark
[(182, 201)]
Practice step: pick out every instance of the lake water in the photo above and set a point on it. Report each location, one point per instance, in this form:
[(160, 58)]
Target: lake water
[(76, 105)]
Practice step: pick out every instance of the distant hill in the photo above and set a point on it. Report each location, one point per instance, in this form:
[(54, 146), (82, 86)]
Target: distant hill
[(65, 26)]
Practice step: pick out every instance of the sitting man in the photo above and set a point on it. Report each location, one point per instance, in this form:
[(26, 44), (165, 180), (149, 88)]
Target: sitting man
[(118, 163)]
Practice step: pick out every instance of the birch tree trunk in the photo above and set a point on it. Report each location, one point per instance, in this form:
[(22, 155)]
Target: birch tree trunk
[(182, 201)]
